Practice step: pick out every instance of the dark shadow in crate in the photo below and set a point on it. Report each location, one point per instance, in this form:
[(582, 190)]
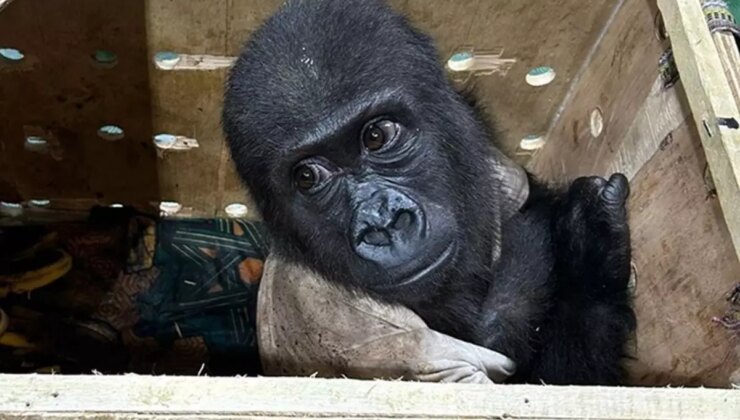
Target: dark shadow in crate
[(76, 114)]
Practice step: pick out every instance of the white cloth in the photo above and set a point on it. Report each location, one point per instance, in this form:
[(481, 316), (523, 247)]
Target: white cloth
[(307, 326)]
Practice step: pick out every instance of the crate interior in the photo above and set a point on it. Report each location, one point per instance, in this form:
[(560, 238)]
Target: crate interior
[(83, 114)]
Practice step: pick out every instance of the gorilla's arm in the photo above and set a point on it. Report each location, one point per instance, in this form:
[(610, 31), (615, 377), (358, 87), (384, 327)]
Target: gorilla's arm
[(567, 324), (584, 341)]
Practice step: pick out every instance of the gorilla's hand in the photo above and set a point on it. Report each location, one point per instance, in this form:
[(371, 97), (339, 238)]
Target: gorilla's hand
[(591, 228)]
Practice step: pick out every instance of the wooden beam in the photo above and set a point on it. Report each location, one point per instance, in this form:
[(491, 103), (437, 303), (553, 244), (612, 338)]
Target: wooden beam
[(711, 98), (663, 112), (130, 396)]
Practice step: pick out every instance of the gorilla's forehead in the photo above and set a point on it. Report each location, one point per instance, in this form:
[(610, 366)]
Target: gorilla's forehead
[(314, 55)]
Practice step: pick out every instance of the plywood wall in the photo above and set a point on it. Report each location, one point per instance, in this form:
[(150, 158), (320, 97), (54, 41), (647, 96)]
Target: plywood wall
[(60, 92), (58, 88), (683, 257)]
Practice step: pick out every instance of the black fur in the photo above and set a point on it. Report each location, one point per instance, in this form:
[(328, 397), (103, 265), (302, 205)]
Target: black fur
[(315, 75)]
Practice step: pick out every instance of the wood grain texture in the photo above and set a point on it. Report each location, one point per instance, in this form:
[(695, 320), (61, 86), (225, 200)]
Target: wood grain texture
[(685, 268), (681, 246), (118, 397), (618, 79), (710, 96), (663, 111), (727, 47), (188, 103), (556, 34)]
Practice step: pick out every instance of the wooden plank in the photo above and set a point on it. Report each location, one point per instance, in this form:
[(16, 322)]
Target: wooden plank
[(116, 397), (685, 267), (728, 52), (188, 103), (710, 97), (663, 111), (620, 76)]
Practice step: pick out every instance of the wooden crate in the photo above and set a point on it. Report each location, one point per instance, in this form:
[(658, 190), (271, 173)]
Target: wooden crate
[(683, 164)]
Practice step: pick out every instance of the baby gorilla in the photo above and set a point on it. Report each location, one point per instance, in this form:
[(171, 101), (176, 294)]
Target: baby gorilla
[(371, 170)]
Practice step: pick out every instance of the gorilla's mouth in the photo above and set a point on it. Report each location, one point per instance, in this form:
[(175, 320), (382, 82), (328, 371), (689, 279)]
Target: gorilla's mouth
[(440, 261)]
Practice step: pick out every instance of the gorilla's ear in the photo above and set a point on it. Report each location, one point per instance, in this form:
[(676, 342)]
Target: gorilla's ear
[(513, 184)]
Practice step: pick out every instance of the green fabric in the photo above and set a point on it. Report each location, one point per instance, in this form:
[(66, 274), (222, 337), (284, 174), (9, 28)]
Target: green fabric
[(200, 290), (734, 7)]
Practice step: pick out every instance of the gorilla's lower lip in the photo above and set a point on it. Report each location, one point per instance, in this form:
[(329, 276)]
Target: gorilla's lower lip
[(428, 269)]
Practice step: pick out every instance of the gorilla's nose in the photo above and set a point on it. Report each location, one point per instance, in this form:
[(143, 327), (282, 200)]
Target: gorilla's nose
[(387, 227)]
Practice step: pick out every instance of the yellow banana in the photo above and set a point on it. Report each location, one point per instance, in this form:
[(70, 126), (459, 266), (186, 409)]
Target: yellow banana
[(11, 339), (32, 280), (4, 321)]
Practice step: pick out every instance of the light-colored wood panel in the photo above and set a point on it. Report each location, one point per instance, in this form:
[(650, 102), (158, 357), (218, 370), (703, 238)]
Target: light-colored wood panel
[(190, 177), (685, 269), (617, 81), (555, 34), (191, 27), (681, 245), (244, 16), (663, 111), (115, 397), (188, 103), (710, 96)]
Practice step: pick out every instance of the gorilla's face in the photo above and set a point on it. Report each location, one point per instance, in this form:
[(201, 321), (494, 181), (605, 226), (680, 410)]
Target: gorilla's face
[(373, 194), (360, 155)]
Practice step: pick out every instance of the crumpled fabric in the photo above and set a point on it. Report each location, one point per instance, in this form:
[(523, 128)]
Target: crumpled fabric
[(309, 326)]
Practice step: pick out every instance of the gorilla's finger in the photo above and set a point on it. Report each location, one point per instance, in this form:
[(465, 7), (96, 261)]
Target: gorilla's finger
[(616, 190)]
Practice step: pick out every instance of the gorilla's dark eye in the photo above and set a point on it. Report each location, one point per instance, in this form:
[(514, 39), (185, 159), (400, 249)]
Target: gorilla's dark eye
[(307, 176), (378, 134)]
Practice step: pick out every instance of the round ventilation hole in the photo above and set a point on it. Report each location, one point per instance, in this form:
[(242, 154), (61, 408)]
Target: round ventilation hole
[(36, 141), (462, 61), (11, 209), (111, 132), (236, 210), (105, 58), (169, 207), (532, 142), (166, 60), (39, 203), (165, 141), (596, 122), (11, 54), (540, 76)]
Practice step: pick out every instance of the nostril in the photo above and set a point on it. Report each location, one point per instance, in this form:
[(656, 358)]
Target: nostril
[(403, 220), (376, 237)]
